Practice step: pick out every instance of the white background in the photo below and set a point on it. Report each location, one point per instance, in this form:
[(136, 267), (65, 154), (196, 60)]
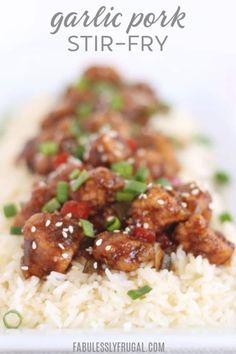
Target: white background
[(197, 69)]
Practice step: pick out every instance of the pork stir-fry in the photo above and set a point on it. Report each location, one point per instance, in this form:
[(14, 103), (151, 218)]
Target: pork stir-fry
[(110, 195)]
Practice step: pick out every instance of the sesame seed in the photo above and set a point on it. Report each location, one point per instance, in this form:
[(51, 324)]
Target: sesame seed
[(138, 224), (89, 250), (146, 225), (142, 196), (195, 191), (110, 218), (116, 231), (34, 245), (65, 229), (150, 185), (59, 223), (160, 202), (61, 246), (168, 188), (48, 222), (184, 205), (185, 195), (71, 229), (69, 216), (64, 234), (107, 248), (24, 267), (65, 255), (33, 229), (95, 265), (98, 242)]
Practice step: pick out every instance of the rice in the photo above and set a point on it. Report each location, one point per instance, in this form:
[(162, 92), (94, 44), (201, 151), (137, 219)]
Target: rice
[(194, 294)]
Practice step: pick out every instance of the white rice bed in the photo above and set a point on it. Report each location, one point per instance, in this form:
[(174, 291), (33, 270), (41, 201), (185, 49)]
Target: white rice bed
[(194, 294)]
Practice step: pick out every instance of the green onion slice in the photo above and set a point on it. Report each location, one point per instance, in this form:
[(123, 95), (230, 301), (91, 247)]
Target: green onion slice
[(51, 206), (142, 174), (113, 223), (135, 187), (117, 102), (225, 217), (84, 109), (75, 128), (124, 196), (74, 174), (87, 228), (83, 84), (221, 177), (48, 148), (16, 230), (62, 191), (79, 152), (123, 168), (10, 210), (76, 183), (163, 182), (135, 294), (12, 319), (203, 139)]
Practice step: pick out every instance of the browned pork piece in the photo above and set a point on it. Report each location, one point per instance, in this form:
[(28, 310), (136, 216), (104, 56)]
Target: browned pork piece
[(100, 188), (198, 238), (106, 149), (156, 210), (102, 73), (121, 252), (107, 121), (50, 243), (156, 152), (195, 200)]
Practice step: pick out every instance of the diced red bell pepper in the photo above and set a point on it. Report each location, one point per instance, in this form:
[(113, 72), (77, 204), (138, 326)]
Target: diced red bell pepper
[(132, 144), (77, 209), (60, 159), (144, 234)]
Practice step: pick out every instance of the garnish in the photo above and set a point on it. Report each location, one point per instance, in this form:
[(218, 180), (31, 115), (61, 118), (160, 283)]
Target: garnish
[(51, 206), (113, 223), (76, 183), (135, 294), (87, 228), (135, 187), (142, 174), (225, 217), (62, 191), (123, 168), (74, 174), (124, 196), (75, 128), (76, 209), (79, 152), (163, 182), (84, 109), (16, 230), (203, 139), (10, 210), (117, 102), (82, 85), (221, 177), (12, 319), (48, 148)]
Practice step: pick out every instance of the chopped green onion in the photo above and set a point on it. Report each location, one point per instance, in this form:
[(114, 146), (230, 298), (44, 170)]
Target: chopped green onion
[(117, 102), (84, 109), (124, 196), (225, 217), (203, 139), (87, 228), (16, 230), (10, 210), (163, 182), (122, 168), (48, 148), (76, 183), (74, 174), (104, 87), (79, 152), (113, 223), (51, 206), (135, 187), (12, 319), (221, 177), (83, 84), (62, 191), (142, 174), (135, 294), (75, 128)]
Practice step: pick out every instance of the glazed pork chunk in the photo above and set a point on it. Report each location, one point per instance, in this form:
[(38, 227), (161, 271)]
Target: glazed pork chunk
[(198, 238), (121, 252), (50, 243), (106, 149)]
